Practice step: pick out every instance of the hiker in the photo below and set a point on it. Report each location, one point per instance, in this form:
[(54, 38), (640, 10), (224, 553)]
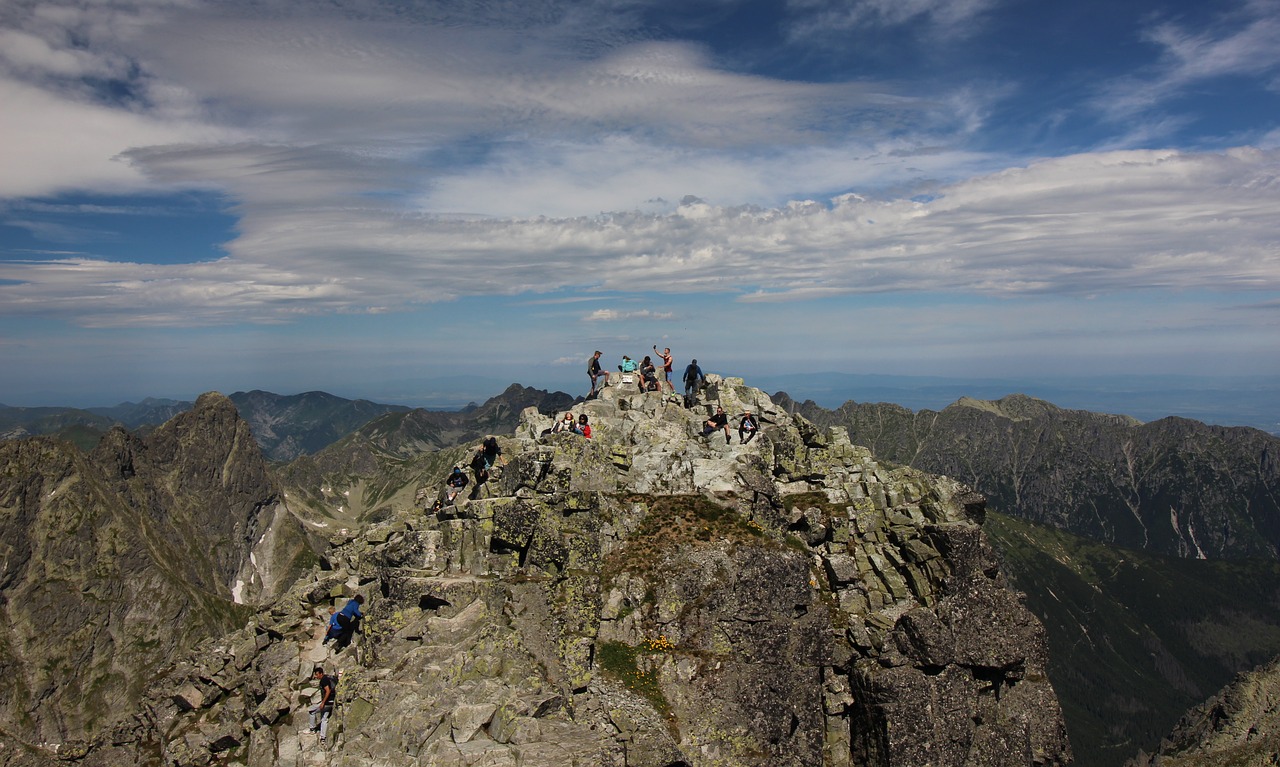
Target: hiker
[(322, 710), (717, 421), (331, 628), (584, 428), (454, 484), (666, 367), (628, 365), (693, 379), (648, 375), (491, 450), (595, 372), (480, 468), (342, 629), (564, 424), (747, 427)]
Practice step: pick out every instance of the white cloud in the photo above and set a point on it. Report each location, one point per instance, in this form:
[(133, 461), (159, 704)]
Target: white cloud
[(613, 315), (1080, 225)]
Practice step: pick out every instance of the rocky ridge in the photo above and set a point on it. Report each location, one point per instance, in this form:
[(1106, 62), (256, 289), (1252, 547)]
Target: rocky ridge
[(115, 561), (1238, 727), (647, 597), (1172, 486)]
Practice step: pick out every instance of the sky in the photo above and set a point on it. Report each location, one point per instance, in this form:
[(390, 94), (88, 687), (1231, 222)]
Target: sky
[(372, 198)]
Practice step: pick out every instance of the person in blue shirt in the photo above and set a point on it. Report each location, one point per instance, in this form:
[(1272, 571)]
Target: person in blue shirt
[(343, 624)]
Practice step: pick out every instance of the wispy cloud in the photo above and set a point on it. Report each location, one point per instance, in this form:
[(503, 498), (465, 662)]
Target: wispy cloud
[(1245, 42), (1080, 225), (613, 315)]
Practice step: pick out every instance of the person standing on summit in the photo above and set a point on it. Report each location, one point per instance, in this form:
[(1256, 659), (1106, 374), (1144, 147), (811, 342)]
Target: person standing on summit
[(595, 372), (666, 367), (693, 378)]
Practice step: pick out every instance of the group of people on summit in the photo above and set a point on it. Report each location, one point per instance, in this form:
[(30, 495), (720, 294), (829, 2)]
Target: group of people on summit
[(645, 373)]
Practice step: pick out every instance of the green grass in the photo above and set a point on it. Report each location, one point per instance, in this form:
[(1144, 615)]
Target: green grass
[(627, 664)]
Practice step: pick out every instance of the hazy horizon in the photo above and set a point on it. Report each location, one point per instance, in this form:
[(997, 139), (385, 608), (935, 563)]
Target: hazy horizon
[(1251, 401)]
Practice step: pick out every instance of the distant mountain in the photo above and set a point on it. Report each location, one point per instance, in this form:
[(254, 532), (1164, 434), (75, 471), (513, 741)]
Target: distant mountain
[(288, 426), (151, 410), (1173, 486), (117, 560), (81, 426)]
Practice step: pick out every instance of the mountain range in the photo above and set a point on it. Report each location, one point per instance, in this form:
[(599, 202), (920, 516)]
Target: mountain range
[(1101, 521)]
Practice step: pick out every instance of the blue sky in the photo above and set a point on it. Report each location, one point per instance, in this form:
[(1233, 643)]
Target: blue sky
[(366, 197)]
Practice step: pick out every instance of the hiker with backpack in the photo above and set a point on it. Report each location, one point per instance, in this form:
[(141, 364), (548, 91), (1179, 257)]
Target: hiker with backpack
[(693, 379), (319, 713)]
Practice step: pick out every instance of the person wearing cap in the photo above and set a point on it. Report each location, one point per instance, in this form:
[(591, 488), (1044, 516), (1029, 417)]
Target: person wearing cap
[(747, 427)]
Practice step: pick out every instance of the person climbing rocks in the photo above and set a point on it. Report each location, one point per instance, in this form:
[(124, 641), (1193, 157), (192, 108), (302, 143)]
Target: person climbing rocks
[(717, 421), (321, 711), (627, 365), (492, 451), (584, 428), (346, 621), (693, 379), (666, 367), (595, 372), (332, 629), (747, 427)]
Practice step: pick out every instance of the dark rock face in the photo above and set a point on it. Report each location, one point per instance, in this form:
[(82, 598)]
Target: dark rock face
[(648, 598), (1240, 727), (1173, 486), (111, 563)]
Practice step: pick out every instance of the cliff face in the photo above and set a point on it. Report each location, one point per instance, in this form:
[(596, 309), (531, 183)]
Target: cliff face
[(111, 563), (1173, 486), (647, 597), (1238, 727)]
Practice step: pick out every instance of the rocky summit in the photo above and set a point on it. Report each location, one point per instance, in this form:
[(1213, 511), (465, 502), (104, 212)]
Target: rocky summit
[(650, 597)]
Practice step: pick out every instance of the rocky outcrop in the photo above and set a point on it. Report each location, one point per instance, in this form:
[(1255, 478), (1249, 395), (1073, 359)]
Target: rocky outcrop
[(1173, 486), (650, 597), (113, 562), (1240, 726)]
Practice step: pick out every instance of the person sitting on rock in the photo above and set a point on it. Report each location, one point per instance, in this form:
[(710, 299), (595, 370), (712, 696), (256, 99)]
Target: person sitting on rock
[(564, 424), (747, 427), (454, 484), (347, 621), (322, 710), (648, 375), (584, 428), (717, 421)]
